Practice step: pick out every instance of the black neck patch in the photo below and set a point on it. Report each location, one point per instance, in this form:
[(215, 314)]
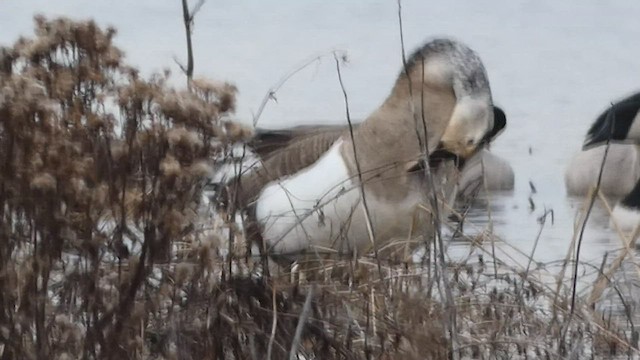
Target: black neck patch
[(632, 199), (620, 116), (499, 123)]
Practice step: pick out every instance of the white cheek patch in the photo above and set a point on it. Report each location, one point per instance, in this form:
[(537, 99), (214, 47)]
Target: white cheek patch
[(469, 123)]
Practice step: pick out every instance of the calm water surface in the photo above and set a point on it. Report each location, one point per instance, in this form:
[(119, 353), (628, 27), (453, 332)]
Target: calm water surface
[(553, 66)]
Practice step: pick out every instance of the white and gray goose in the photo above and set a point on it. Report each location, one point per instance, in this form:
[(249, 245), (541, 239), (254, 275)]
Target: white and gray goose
[(305, 196), (483, 171)]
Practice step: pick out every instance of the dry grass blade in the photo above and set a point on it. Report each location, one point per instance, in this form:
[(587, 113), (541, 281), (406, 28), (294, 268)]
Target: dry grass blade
[(592, 200), (602, 281), (363, 201), (423, 140), (293, 353)]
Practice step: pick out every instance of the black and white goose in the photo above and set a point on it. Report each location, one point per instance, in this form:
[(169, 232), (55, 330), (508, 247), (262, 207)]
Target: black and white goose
[(621, 124), (620, 174)]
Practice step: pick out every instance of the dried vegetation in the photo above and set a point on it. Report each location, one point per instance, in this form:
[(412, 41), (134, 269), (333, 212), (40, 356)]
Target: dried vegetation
[(108, 248)]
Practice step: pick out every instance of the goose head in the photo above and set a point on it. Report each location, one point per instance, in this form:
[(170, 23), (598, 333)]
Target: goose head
[(499, 124), (446, 66), (471, 123)]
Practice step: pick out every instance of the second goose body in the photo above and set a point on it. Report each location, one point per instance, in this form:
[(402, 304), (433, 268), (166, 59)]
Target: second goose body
[(621, 124)]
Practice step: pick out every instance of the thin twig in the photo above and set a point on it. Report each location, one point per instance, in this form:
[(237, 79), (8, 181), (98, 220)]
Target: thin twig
[(365, 208), (187, 18), (592, 200), (604, 277), (489, 214), (451, 318), (196, 9), (271, 93), (301, 322), (274, 324), (543, 221)]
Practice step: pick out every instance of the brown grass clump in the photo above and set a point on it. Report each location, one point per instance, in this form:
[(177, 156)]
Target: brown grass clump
[(107, 249)]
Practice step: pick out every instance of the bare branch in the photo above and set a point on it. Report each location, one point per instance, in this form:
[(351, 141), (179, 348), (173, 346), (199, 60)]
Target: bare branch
[(274, 324), (180, 65), (196, 9), (592, 200), (450, 320), (187, 18), (301, 322), (365, 207), (271, 93)]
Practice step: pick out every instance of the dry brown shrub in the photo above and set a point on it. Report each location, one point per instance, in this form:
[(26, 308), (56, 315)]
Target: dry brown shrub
[(102, 172)]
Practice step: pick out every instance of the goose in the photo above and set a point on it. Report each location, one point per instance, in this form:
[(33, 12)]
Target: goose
[(620, 124), (339, 190), (483, 171), (620, 173)]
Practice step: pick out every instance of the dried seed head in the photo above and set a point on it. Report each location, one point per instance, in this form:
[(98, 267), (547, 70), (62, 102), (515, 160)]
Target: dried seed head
[(44, 182), (180, 136), (183, 272), (99, 195), (78, 185), (65, 84), (237, 132), (63, 320), (170, 167), (119, 151), (200, 169), (173, 222)]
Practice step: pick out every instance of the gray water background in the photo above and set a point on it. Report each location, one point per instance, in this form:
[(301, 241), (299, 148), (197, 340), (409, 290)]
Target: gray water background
[(553, 66)]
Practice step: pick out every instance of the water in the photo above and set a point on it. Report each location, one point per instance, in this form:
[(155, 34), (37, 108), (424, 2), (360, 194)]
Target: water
[(553, 66)]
